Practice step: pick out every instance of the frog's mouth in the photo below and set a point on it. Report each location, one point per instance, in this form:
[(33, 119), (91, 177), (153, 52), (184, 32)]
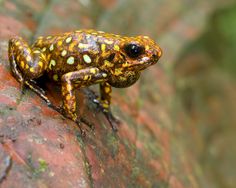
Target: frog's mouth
[(143, 63)]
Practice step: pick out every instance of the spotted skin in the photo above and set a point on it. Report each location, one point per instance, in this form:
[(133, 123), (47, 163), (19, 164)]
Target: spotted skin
[(80, 59)]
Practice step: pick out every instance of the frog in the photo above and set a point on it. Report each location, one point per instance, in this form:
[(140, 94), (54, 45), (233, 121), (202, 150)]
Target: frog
[(79, 59)]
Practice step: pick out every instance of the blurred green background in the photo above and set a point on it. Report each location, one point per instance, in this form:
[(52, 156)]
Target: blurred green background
[(205, 74), (198, 39)]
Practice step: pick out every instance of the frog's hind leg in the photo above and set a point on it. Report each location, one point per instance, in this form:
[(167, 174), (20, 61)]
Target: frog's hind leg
[(25, 62), (27, 65), (14, 47)]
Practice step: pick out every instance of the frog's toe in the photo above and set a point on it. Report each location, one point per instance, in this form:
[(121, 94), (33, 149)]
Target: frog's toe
[(59, 109), (114, 122), (87, 122), (114, 126), (83, 120)]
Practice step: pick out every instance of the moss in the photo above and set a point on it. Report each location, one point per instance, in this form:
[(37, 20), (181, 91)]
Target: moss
[(43, 166), (38, 169), (112, 143)]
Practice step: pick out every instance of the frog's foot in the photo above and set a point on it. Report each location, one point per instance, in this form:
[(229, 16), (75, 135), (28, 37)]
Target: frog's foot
[(83, 120), (82, 131), (87, 122), (102, 106), (79, 120), (32, 84), (114, 122)]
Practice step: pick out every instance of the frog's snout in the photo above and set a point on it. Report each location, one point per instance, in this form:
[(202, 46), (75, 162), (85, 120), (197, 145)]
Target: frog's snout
[(156, 55)]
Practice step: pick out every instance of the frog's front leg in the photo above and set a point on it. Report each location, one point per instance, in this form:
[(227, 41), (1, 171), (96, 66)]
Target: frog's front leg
[(104, 103), (105, 90), (75, 80)]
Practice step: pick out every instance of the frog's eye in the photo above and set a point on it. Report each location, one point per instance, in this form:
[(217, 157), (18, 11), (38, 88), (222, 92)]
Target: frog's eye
[(134, 50)]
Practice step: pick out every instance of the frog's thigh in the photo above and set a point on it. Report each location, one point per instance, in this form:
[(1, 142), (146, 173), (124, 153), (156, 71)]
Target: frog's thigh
[(15, 45), (78, 79), (24, 60)]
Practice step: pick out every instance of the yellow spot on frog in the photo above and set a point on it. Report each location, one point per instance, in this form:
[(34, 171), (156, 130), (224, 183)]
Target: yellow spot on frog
[(55, 77), (40, 63), (68, 87), (39, 41), (63, 53), (118, 71), (147, 47), (88, 36), (79, 67), (116, 47), (93, 70), (103, 47), (108, 63), (26, 66), (52, 63), (108, 41), (104, 75), (17, 43), (68, 40), (70, 60), (99, 80), (104, 105), (44, 57), (22, 64), (51, 47), (31, 69), (44, 49), (81, 45), (125, 64), (107, 89), (72, 46), (36, 52), (68, 97), (59, 43), (85, 77), (123, 78), (87, 59), (28, 58)]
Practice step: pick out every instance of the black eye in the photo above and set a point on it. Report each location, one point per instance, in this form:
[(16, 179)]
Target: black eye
[(133, 50)]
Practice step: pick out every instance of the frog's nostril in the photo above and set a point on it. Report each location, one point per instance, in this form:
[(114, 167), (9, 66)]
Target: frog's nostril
[(155, 56)]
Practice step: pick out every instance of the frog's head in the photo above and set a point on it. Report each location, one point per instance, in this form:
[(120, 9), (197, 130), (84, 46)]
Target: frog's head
[(134, 55), (139, 53)]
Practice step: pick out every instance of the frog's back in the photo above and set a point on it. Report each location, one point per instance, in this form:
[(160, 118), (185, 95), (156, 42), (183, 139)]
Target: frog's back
[(74, 50)]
